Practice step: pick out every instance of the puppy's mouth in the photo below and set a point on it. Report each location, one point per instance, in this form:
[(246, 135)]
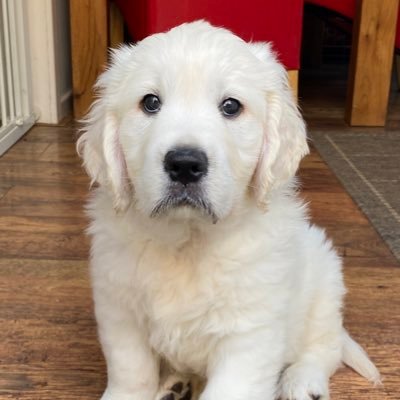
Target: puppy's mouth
[(179, 195)]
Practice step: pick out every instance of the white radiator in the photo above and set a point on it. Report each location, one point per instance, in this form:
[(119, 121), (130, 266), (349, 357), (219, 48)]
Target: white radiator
[(16, 114)]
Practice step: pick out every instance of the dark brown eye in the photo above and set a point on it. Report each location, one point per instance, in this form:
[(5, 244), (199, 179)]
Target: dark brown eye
[(230, 107), (151, 103)]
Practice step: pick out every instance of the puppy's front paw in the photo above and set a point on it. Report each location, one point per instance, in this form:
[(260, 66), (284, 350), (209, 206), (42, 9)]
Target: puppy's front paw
[(175, 387), (302, 381)]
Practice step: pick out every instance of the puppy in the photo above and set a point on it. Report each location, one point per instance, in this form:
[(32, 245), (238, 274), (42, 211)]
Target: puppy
[(204, 263)]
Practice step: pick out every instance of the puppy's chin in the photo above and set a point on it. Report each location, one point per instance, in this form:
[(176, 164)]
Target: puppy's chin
[(187, 214), (186, 203)]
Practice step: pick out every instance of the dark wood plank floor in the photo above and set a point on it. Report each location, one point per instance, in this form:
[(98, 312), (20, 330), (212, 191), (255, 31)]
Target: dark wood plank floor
[(48, 343)]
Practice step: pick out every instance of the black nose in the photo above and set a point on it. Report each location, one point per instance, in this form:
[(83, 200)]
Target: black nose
[(186, 165)]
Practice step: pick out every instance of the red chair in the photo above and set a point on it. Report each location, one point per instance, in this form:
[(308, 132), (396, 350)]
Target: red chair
[(257, 20)]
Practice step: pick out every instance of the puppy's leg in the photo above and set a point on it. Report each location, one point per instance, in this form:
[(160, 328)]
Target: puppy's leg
[(321, 352), (133, 370), (308, 377), (246, 366)]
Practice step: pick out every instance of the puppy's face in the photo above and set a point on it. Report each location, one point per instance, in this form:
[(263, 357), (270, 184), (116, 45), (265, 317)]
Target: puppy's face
[(192, 122)]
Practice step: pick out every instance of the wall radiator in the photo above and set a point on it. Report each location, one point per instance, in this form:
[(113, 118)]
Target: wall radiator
[(16, 113)]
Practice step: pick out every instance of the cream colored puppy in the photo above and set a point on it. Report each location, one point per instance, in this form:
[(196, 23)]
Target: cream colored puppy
[(203, 258)]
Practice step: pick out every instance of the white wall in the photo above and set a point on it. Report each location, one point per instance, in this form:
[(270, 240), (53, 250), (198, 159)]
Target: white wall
[(50, 57)]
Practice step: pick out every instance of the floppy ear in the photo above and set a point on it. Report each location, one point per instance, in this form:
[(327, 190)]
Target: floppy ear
[(285, 139), (103, 158)]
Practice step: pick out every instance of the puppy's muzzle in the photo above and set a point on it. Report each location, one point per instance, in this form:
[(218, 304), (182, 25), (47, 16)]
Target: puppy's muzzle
[(186, 165)]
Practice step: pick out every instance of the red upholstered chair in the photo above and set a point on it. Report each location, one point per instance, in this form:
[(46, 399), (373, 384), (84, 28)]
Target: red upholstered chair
[(257, 20)]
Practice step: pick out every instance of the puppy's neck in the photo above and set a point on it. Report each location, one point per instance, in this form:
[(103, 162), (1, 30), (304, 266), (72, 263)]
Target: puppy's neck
[(192, 234), (176, 233)]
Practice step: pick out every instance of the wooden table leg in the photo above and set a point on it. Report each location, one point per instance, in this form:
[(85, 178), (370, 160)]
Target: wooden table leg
[(371, 62), (293, 76), (89, 40)]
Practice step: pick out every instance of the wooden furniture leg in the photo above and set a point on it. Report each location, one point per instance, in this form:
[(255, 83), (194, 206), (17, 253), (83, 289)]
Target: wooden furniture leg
[(293, 76), (371, 62), (89, 41)]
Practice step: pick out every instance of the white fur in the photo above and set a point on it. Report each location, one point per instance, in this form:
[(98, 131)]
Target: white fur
[(236, 302)]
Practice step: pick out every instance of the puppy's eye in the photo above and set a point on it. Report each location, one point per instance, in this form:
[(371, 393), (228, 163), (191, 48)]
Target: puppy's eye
[(151, 103), (231, 107)]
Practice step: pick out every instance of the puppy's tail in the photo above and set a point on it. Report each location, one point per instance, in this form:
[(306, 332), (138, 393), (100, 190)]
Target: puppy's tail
[(355, 357)]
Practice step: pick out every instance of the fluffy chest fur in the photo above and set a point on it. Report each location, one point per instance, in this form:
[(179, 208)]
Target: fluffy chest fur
[(192, 302), (189, 294)]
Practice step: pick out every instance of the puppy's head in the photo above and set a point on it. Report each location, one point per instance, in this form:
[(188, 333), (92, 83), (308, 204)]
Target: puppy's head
[(192, 122)]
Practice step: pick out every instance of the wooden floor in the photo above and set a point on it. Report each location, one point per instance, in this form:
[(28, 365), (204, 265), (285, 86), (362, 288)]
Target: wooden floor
[(48, 344)]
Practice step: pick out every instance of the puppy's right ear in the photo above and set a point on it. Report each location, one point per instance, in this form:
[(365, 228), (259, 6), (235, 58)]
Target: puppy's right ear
[(102, 154), (99, 144)]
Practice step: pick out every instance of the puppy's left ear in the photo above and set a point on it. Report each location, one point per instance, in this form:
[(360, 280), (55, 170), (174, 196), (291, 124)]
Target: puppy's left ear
[(285, 139)]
